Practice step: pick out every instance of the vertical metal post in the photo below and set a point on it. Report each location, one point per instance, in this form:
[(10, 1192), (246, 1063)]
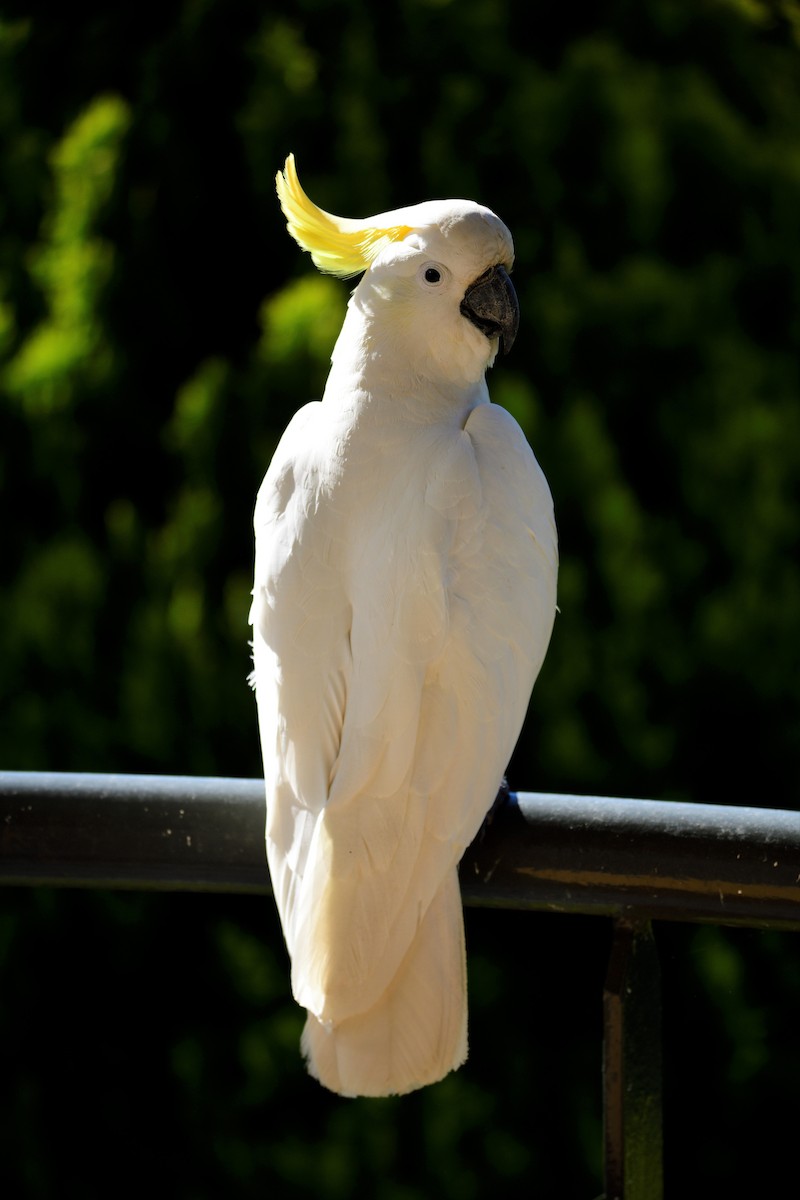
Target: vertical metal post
[(632, 1066)]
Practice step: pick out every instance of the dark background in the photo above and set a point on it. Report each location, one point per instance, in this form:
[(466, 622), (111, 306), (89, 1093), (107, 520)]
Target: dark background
[(157, 329)]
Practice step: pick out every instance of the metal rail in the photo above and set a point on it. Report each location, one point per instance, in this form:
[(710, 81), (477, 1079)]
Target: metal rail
[(577, 854), (630, 860)]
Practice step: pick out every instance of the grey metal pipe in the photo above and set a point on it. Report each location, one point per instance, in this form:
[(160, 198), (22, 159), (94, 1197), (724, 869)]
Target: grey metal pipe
[(160, 832), (645, 858), (578, 854)]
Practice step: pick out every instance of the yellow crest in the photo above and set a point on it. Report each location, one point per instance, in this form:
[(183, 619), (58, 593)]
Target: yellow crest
[(338, 245)]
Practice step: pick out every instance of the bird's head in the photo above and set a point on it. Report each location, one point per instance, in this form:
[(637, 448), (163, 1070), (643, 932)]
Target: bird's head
[(436, 290)]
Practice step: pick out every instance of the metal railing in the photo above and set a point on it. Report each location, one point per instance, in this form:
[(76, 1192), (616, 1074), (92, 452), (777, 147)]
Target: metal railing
[(634, 861)]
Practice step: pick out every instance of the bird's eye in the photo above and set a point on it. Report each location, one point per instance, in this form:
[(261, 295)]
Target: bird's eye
[(432, 274)]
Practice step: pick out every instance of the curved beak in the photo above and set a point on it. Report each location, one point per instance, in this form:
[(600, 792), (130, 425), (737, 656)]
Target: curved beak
[(491, 304)]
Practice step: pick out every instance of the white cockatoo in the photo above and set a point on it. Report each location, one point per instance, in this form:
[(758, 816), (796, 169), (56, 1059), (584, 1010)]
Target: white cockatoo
[(405, 591)]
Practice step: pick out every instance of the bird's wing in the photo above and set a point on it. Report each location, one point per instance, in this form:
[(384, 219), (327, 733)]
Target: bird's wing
[(300, 618), (400, 687)]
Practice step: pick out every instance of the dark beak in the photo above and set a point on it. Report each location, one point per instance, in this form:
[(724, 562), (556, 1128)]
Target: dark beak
[(491, 304)]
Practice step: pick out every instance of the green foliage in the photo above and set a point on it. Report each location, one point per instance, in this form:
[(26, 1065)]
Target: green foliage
[(72, 266), (158, 329)]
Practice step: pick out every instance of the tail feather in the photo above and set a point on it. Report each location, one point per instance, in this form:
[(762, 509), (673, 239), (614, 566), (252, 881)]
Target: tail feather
[(417, 1031)]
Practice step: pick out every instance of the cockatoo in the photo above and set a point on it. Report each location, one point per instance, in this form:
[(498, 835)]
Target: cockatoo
[(405, 592)]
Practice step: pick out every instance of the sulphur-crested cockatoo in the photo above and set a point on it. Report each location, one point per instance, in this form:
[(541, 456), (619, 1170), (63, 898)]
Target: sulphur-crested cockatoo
[(405, 590)]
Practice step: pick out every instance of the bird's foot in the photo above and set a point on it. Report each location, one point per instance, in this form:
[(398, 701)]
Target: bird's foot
[(501, 799)]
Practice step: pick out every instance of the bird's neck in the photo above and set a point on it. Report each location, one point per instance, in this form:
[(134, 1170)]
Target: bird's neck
[(376, 376)]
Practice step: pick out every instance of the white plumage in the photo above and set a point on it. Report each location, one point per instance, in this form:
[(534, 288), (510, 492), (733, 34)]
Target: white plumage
[(405, 590)]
